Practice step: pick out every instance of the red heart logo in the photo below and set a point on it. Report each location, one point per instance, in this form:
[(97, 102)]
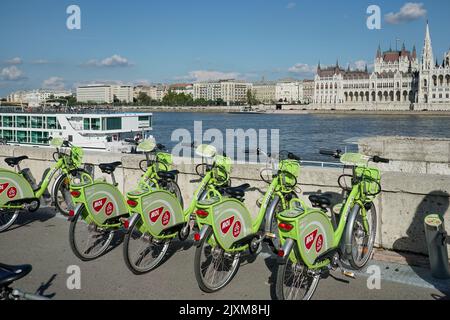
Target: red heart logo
[(310, 238), (98, 204), (225, 226), (109, 209), (319, 243), (12, 192), (237, 229), (3, 187), (166, 218), (154, 215)]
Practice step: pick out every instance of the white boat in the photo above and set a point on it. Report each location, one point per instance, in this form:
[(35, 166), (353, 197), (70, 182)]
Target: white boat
[(98, 130), (249, 110)]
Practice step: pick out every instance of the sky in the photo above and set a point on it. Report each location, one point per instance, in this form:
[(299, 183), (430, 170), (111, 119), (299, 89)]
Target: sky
[(171, 41)]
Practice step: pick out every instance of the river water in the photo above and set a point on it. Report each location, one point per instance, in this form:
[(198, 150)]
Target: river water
[(306, 134)]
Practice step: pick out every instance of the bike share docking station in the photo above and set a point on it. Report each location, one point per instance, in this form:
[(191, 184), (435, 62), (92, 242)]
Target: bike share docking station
[(437, 241)]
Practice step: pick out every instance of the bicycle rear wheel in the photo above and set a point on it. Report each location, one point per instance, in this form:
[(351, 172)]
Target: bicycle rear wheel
[(362, 241), (7, 218), (295, 282), (143, 253), (214, 268), (88, 241)]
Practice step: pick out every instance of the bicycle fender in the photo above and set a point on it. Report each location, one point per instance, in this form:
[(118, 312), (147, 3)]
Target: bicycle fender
[(54, 191), (349, 230), (132, 221), (270, 212)]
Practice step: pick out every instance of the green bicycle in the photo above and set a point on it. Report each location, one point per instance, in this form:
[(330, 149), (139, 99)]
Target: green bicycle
[(18, 190), (101, 209), (313, 243), (159, 217), (228, 229)]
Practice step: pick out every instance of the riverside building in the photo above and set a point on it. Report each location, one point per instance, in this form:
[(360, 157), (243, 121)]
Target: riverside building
[(104, 93), (400, 81), (230, 91)]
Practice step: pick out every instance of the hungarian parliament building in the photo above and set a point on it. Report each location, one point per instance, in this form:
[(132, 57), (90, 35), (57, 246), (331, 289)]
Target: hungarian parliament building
[(400, 80)]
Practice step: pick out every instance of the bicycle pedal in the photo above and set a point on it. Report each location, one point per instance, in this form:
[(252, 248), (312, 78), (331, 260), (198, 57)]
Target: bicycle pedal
[(349, 274)]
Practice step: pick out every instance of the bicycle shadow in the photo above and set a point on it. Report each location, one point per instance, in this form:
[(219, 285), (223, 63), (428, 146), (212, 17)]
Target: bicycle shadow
[(45, 286), (26, 218), (436, 202)]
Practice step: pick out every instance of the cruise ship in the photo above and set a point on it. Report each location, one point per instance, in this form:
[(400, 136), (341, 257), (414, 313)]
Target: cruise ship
[(97, 130)]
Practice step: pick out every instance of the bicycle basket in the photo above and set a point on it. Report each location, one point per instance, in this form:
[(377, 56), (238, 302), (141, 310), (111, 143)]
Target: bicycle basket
[(370, 181), (292, 167), (224, 163), (354, 159), (76, 157), (164, 161)]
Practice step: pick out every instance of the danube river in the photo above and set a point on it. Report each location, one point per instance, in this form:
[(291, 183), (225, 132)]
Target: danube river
[(306, 134)]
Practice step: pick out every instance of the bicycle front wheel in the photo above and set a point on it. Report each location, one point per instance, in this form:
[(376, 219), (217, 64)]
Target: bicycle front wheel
[(295, 282), (88, 241), (363, 238), (214, 268), (7, 218), (143, 253)]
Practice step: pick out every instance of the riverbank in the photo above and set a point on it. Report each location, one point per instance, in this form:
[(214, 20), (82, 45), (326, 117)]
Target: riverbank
[(213, 109)]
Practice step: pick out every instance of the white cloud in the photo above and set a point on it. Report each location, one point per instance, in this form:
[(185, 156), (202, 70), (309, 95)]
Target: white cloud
[(302, 69), (12, 74), (291, 5), (206, 75), (40, 61), (54, 83), (360, 64), (141, 82), (409, 12), (110, 62), (15, 61)]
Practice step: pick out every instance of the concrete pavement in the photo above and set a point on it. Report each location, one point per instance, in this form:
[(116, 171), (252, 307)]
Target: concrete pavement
[(41, 239)]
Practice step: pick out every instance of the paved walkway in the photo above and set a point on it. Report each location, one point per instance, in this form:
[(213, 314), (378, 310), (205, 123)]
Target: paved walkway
[(41, 239)]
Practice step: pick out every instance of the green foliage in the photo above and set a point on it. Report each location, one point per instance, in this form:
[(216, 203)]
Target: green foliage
[(251, 99)]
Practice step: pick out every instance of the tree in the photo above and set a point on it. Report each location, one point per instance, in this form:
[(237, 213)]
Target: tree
[(251, 99), (143, 99)]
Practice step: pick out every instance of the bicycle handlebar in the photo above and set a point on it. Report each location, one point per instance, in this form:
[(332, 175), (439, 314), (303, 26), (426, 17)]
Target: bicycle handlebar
[(292, 156), (338, 153), (378, 159), (27, 296), (335, 154)]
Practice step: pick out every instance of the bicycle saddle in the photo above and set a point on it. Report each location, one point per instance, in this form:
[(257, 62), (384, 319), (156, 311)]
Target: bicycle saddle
[(320, 201), (237, 192), (109, 167), (9, 274), (168, 175), (12, 162)]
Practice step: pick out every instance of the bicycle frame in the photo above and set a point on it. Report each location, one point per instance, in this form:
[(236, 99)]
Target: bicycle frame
[(60, 165), (241, 219), (144, 205), (326, 238)]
